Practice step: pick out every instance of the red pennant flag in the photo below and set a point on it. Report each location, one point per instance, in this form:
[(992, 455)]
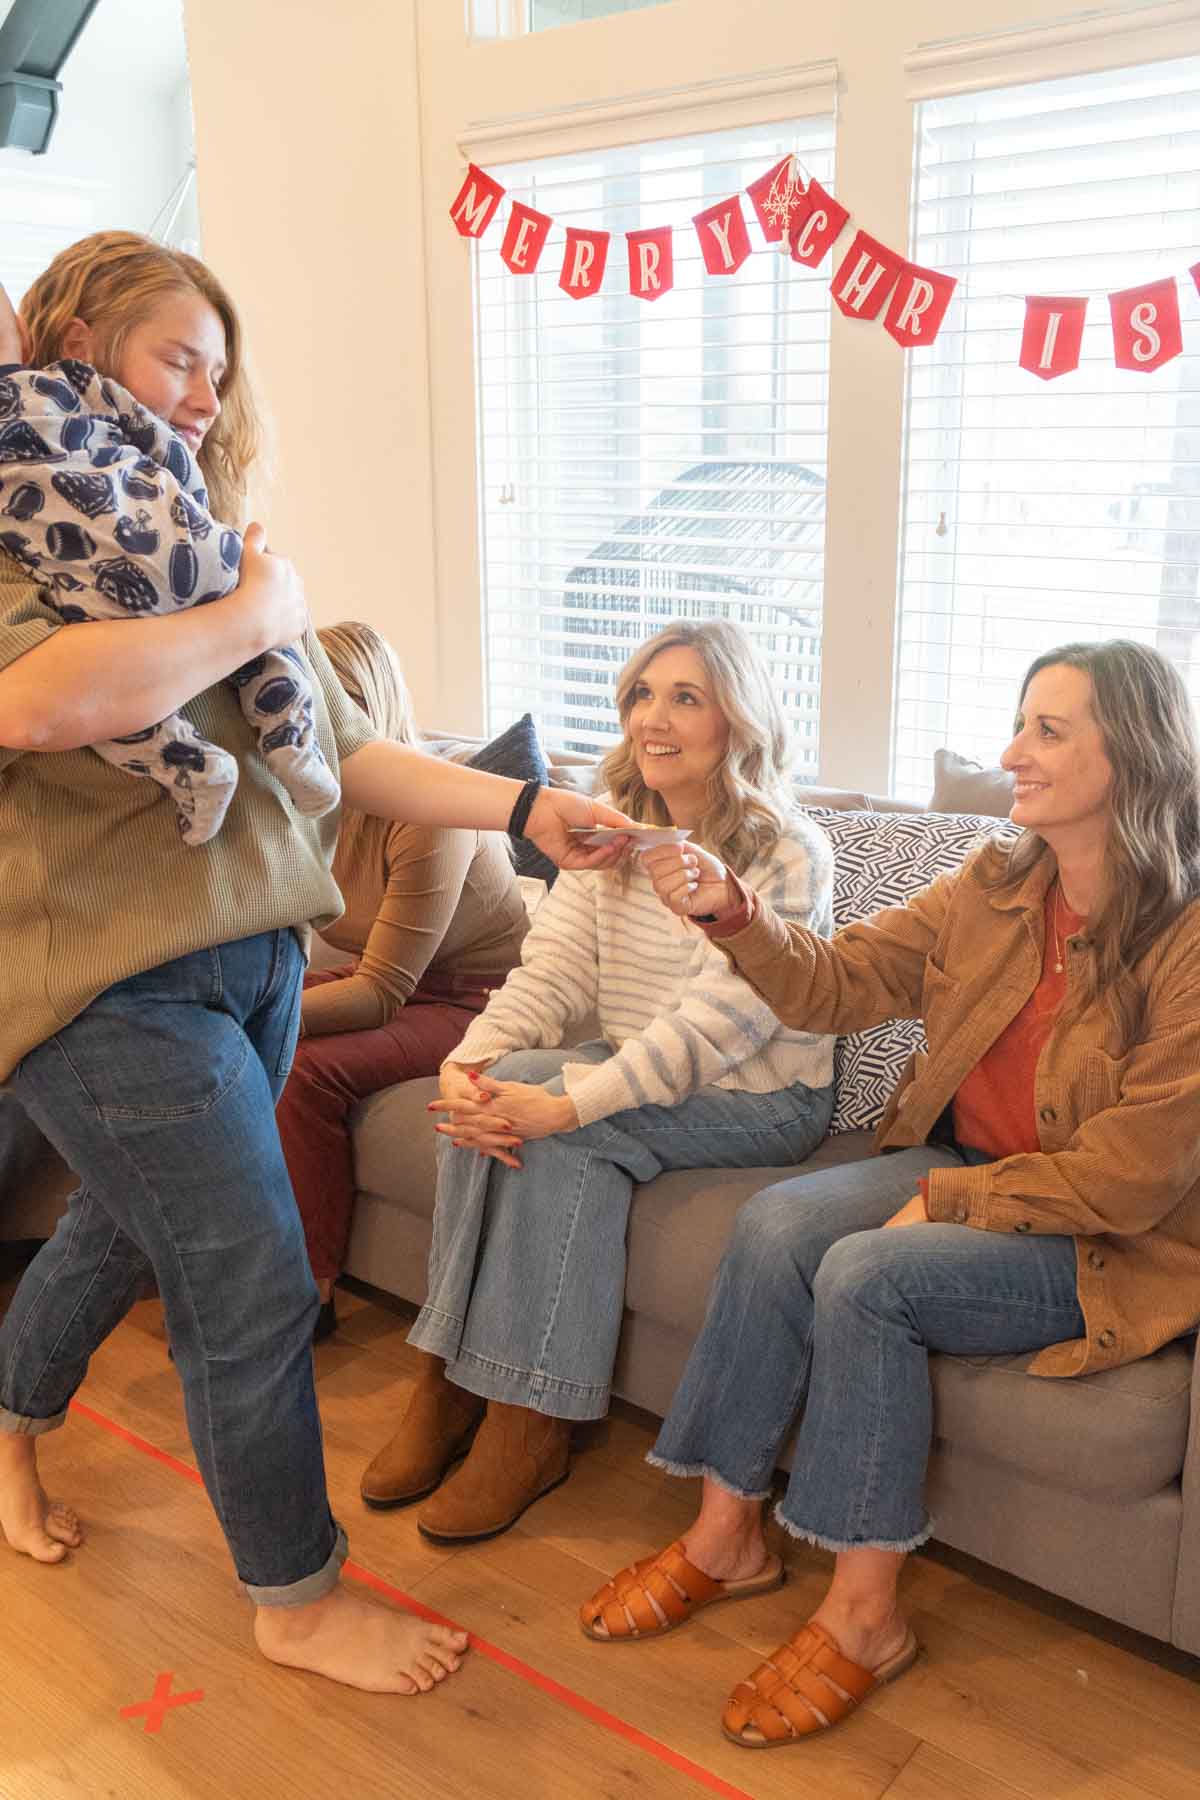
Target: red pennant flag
[(1145, 322), (866, 277), (1052, 336), (1194, 272), (816, 226), (476, 202), (583, 262), (918, 305), (776, 195), (724, 239), (651, 262), (525, 238)]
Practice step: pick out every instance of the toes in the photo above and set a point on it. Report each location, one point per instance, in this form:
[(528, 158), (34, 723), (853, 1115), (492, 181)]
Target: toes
[(446, 1637), (63, 1526), (43, 1549)]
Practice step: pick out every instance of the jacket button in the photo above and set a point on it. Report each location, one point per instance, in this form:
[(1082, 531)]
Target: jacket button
[(1107, 1339), (1047, 1115), (1095, 1260), (1021, 1225)]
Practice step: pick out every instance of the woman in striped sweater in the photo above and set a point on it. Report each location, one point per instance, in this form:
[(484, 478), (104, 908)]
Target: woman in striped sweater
[(541, 1153)]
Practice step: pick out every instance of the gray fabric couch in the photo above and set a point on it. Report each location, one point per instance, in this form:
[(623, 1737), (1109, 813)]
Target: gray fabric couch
[(1088, 1488)]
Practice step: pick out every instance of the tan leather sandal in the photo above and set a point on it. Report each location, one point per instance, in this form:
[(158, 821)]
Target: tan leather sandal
[(662, 1592), (804, 1688)]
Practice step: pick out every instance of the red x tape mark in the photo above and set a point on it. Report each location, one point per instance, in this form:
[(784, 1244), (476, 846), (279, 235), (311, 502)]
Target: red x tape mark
[(159, 1704)]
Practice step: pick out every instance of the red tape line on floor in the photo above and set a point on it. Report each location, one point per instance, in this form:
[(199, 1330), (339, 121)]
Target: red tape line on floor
[(555, 1690)]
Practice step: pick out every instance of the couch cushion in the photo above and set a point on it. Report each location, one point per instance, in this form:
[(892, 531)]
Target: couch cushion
[(880, 859), (518, 754), (960, 785)]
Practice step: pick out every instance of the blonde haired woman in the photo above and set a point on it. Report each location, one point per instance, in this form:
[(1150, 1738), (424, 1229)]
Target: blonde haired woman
[(434, 920), (150, 995), (527, 1269)]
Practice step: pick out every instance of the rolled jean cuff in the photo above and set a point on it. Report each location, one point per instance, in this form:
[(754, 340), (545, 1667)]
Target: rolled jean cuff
[(688, 1470), (17, 1425), (309, 1587), (898, 1547)]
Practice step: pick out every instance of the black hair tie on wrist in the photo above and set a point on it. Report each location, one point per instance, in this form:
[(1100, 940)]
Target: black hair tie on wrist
[(522, 809)]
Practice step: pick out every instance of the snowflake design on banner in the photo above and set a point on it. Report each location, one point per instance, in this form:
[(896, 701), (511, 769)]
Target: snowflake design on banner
[(784, 196)]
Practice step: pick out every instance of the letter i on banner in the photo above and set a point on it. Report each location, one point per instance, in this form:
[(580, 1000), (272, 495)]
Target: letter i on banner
[(583, 262), (866, 277), (651, 262), (524, 238), (1146, 328), (724, 239), (475, 203), (918, 305), (1052, 336)]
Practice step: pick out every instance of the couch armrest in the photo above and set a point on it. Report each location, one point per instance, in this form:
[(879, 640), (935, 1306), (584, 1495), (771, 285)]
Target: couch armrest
[(1185, 1627)]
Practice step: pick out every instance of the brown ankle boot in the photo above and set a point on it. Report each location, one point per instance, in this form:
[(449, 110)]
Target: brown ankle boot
[(517, 1457), (437, 1426)]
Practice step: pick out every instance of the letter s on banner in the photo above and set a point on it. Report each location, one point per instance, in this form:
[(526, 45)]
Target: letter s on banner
[(475, 203), (918, 305), (1146, 328), (866, 277), (1052, 336), (583, 262), (524, 238), (651, 262), (816, 227), (724, 238)]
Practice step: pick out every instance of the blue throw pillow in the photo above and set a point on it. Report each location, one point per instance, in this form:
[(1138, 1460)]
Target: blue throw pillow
[(517, 753)]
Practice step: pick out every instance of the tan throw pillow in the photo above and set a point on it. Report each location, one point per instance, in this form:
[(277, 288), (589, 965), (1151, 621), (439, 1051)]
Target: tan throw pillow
[(963, 786)]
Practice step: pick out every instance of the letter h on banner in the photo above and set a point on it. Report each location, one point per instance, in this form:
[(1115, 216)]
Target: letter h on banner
[(866, 277)]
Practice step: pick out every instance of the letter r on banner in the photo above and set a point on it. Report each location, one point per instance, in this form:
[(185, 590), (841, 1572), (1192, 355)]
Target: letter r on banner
[(583, 262), (1052, 336), (918, 305), (524, 238), (866, 277), (475, 203), (651, 262), (1146, 328), (724, 239)]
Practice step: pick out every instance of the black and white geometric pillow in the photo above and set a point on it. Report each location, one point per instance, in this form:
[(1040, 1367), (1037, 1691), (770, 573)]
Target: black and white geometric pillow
[(880, 859)]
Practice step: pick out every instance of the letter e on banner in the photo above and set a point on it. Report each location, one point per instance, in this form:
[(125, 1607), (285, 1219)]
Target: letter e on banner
[(918, 305), (1052, 336), (1145, 322), (583, 262), (866, 277), (651, 262), (724, 239), (816, 227), (475, 203), (524, 238)]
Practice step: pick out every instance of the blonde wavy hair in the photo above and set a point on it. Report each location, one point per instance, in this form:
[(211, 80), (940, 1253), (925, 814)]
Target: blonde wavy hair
[(113, 280), (1152, 856), (369, 671), (749, 801)]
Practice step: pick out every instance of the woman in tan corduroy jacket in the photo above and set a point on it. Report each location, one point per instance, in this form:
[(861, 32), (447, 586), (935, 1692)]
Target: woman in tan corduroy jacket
[(1045, 1148)]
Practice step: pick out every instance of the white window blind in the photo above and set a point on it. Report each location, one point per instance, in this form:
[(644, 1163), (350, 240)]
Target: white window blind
[(40, 214), (645, 461), (510, 18), (1040, 512)]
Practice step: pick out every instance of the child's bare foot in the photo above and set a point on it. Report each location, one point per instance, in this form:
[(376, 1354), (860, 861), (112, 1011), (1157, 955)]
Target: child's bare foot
[(29, 1521), (360, 1643)]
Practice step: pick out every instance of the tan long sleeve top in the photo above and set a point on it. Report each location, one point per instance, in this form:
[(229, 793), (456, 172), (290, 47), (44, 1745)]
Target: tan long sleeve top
[(1118, 1166)]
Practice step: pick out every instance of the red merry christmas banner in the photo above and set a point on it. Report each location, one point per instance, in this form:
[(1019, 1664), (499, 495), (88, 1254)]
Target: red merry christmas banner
[(871, 281)]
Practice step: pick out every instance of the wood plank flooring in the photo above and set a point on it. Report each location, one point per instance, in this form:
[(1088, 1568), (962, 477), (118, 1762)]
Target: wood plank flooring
[(1016, 1698)]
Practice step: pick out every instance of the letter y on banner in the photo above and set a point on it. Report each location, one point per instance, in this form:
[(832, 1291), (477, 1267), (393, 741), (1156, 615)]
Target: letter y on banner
[(1052, 336), (583, 262), (475, 203), (1145, 322), (651, 262), (724, 239)]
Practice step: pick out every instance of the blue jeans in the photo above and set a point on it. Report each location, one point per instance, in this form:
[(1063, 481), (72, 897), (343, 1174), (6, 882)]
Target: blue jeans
[(527, 1266), (161, 1096), (815, 1307)]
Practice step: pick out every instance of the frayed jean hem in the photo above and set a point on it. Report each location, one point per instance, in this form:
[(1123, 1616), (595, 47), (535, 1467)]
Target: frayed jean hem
[(838, 1545), (689, 1470)]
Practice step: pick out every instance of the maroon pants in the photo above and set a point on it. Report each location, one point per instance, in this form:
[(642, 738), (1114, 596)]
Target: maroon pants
[(332, 1074)]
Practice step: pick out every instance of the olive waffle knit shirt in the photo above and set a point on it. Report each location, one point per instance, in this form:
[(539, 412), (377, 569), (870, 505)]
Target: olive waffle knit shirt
[(96, 883)]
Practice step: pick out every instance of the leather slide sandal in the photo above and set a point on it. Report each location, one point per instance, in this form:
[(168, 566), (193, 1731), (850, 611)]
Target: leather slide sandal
[(804, 1688), (662, 1592)]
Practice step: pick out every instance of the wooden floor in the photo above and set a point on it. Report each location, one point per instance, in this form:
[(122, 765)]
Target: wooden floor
[(1015, 1696)]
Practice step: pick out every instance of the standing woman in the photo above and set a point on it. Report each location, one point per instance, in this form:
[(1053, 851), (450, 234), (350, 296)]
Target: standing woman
[(1042, 1191), (527, 1267), (150, 993), (434, 920)]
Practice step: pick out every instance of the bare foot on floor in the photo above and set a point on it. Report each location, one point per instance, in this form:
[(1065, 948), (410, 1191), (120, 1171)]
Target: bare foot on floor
[(29, 1521), (358, 1642)]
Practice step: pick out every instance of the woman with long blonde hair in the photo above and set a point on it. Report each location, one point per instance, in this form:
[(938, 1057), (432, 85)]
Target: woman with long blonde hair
[(689, 1070), (434, 921), (150, 994)]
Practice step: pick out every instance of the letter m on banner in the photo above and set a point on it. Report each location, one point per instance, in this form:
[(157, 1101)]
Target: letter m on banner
[(475, 203)]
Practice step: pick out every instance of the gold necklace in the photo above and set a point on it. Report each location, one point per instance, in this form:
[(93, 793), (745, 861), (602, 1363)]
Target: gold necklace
[(1058, 943)]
